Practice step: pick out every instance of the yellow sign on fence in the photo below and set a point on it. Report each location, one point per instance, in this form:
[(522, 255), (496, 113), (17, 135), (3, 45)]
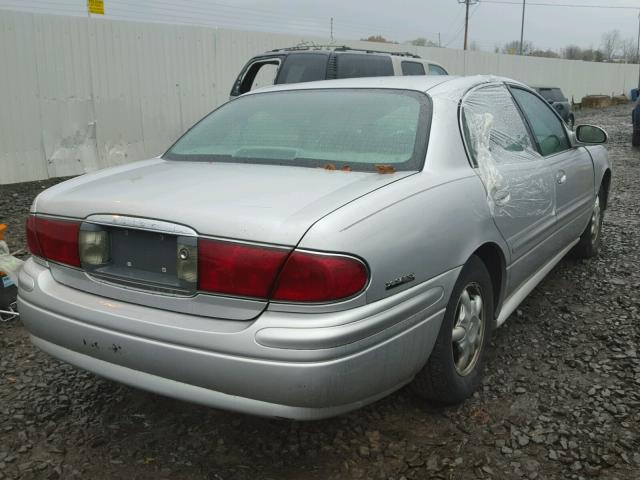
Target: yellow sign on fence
[(96, 6)]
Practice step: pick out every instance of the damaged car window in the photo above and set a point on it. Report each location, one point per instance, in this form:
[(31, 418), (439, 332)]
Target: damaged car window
[(499, 144), (491, 119), (352, 128)]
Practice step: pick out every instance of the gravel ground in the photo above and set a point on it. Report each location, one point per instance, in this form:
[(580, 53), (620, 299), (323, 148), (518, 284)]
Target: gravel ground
[(560, 398)]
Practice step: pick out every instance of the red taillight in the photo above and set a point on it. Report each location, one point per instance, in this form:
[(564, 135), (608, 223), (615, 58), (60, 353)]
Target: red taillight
[(237, 268), (314, 277), (53, 239), (32, 237)]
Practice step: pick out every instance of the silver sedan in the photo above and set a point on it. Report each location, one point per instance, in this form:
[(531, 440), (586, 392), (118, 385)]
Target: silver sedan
[(307, 249)]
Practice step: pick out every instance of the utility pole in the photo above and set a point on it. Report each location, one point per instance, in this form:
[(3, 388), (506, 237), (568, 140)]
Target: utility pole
[(466, 24), (467, 3), (331, 29), (524, 2)]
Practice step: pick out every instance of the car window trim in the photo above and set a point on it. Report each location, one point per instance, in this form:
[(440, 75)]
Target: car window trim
[(387, 59), (510, 87), (444, 70), (402, 62), (461, 126), (271, 60), (421, 154), (284, 59)]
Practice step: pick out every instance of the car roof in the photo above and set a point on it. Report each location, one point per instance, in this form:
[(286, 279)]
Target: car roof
[(327, 49), (448, 85)]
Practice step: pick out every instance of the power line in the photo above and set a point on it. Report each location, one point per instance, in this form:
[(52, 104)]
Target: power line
[(568, 5), (172, 14), (467, 3), (455, 36), (522, 26), (215, 11)]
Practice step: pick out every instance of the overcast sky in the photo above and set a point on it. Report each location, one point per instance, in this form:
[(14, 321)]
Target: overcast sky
[(491, 23)]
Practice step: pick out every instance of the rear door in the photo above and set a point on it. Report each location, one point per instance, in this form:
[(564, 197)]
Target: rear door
[(258, 72), (572, 167), (518, 180)]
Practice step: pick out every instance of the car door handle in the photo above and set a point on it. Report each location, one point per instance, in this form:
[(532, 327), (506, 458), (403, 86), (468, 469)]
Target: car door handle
[(561, 177)]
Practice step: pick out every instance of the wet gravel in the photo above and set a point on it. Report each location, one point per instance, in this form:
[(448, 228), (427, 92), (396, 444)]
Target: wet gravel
[(561, 397)]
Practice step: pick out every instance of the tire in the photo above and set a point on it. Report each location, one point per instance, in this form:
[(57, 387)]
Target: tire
[(635, 138), (446, 378), (589, 244)]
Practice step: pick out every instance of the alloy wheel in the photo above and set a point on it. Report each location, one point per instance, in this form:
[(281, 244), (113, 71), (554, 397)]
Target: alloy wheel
[(595, 220), (468, 332)]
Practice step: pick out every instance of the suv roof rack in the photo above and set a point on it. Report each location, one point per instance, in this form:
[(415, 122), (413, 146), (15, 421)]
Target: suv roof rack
[(341, 48)]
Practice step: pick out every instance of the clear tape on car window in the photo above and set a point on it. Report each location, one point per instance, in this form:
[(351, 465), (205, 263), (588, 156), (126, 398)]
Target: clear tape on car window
[(511, 169)]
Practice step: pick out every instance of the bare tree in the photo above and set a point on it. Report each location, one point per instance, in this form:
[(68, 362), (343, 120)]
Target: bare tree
[(572, 52), (377, 38), (513, 47), (548, 53), (423, 42), (591, 55), (474, 46), (629, 50), (610, 44)]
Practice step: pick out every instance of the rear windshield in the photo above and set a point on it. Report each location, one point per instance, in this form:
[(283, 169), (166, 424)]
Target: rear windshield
[(355, 65), (552, 94), (346, 128), (303, 67)]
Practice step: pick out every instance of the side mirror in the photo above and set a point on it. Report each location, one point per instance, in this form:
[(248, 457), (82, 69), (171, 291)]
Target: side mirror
[(591, 135)]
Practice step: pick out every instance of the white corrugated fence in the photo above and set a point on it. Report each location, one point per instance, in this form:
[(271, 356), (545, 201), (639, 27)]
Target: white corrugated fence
[(78, 94)]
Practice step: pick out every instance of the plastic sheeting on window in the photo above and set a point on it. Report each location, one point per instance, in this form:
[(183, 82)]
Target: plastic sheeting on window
[(515, 177)]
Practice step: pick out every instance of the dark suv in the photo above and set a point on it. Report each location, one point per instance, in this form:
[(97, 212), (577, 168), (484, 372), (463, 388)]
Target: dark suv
[(556, 98), (309, 63)]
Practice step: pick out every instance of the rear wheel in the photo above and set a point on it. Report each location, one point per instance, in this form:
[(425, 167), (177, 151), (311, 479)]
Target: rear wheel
[(589, 244), (635, 138), (454, 369)]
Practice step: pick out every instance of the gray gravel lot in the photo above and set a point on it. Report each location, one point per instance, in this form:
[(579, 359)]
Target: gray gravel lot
[(561, 398)]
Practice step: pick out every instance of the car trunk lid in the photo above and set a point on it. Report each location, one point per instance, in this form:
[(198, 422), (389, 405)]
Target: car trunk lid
[(153, 210), (261, 203)]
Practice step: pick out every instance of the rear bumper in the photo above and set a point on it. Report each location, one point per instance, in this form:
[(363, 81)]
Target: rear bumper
[(328, 364)]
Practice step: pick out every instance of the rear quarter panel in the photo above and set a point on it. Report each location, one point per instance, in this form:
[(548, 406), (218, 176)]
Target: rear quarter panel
[(410, 227), (426, 224)]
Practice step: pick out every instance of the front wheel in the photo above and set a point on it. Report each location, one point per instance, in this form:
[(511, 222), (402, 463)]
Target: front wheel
[(454, 369), (589, 244)]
